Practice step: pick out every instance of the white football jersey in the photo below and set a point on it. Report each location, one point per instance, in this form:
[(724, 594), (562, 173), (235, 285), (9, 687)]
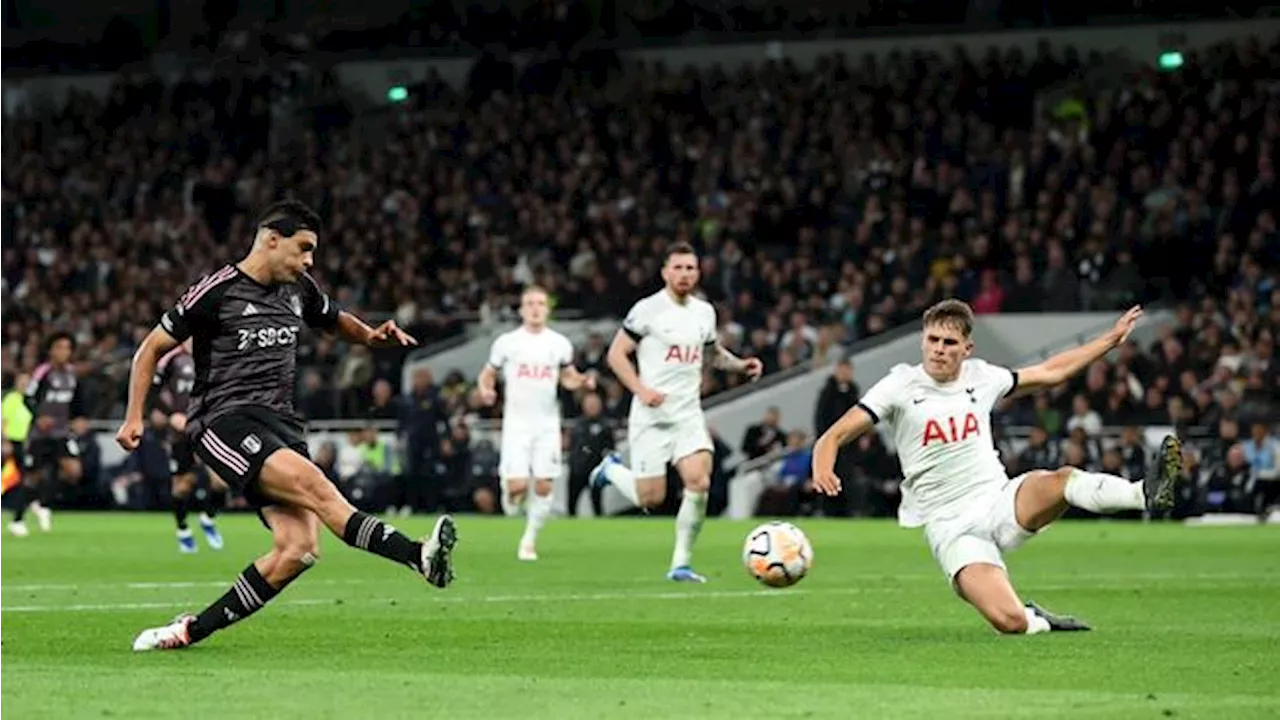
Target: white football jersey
[(530, 363), (671, 338), (942, 433)]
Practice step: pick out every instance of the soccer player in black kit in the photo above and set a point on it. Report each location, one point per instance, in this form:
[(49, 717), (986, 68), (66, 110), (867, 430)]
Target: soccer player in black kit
[(174, 382), (244, 320), (54, 399)]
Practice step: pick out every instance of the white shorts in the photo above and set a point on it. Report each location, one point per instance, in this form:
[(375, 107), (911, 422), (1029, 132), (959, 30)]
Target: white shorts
[(535, 455), (981, 532), (654, 446)]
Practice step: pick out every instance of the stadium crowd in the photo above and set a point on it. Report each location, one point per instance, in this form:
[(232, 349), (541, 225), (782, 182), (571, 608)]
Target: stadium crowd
[(829, 205)]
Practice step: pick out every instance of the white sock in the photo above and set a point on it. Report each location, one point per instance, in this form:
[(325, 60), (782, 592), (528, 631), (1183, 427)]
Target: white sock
[(539, 511), (1035, 623), (621, 477), (1101, 493), (693, 509)]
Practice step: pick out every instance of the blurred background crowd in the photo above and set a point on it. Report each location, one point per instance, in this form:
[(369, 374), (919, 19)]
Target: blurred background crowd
[(829, 204)]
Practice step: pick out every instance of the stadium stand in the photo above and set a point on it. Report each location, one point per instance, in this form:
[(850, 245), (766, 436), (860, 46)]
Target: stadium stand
[(829, 205)]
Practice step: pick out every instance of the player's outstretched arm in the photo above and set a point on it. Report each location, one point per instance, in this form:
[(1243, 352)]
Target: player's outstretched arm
[(848, 428), (141, 377), (1057, 369), (388, 334)]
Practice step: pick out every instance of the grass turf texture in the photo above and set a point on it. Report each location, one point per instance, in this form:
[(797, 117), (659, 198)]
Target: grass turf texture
[(1188, 624)]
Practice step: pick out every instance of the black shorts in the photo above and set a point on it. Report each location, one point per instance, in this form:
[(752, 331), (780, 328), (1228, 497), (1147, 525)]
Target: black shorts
[(182, 455), (40, 453), (235, 446)]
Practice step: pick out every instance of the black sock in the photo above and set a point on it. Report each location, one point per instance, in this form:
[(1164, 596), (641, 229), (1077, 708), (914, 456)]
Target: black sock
[(249, 593), (181, 506), (368, 533), (214, 501), (21, 498)]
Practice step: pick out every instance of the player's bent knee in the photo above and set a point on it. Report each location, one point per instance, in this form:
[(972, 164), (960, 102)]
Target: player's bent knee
[(698, 484), (542, 488)]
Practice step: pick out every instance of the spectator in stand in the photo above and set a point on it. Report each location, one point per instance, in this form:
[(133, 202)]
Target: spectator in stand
[(991, 296), (591, 356), (1039, 452), (315, 401), (876, 482), (592, 436), (838, 395), (327, 460), (718, 495), (423, 416), (1262, 451), (1084, 417), (1231, 486), (1046, 416), (792, 490), (385, 405), (765, 437), (1134, 455)]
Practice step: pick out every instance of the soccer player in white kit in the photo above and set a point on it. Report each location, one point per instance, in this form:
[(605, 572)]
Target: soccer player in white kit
[(673, 335), (939, 416), (534, 361)]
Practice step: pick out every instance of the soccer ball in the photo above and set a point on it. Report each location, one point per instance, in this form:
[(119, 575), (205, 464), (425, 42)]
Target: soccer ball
[(777, 554)]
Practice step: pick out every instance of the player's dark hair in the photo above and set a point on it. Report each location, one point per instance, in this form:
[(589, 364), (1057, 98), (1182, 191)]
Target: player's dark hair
[(54, 338), (288, 217), (951, 311), (679, 248)]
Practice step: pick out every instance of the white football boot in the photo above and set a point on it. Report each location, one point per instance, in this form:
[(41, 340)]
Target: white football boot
[(173, 636)]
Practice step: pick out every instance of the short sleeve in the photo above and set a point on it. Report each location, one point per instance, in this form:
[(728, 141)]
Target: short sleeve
[(711, 337), (498, 353), (318, 310), (197, 307), (881, 401), (636, 324), (1001, 381)]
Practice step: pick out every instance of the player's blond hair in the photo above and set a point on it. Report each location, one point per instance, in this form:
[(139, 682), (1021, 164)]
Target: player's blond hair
[(951, 312), (530, 289)]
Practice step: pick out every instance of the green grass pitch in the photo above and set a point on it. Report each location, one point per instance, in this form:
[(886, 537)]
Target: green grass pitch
[(1188, 625)]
